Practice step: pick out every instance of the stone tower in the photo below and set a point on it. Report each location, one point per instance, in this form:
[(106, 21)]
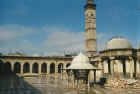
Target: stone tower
[(90, 28)]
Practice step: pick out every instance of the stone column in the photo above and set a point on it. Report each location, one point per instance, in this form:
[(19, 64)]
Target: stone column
[(127, 66), (112, 61), (39, 68), (137, 68), (120, 67), (12, 67), (115, 67), (100, 72), (21, 69), (64, 67), (112, 67), (105, 65), (131, 67), (48, 68), (88, 79), (73, 81), (31, 67), (56, 68)]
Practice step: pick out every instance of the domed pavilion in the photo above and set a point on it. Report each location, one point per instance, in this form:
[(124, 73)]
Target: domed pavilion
[(81, 69), (118, 59)]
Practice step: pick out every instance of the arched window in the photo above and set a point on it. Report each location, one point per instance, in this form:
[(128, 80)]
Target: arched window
[(1, 66), (52, 68), (35, 68), (109, 67), (17, 67), (60, 67), (67, 67), (44, 68), (26, 68), (7, 67)]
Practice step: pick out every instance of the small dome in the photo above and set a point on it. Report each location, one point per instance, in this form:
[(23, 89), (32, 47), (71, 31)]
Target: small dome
[(118, 43), (81, 62)]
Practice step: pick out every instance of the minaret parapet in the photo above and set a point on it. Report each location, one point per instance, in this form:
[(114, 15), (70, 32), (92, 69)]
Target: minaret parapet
[(90, 4)]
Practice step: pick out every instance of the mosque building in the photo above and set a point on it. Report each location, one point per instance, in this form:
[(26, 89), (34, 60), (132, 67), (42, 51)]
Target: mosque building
[(117, 59)]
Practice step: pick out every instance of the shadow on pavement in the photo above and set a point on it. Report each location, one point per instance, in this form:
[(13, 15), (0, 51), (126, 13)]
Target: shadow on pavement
[(10, 83)]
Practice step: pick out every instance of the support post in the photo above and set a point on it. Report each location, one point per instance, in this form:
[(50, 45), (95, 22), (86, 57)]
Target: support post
[(31, 66), (88, 80), (21, 70), (39, 69), (131, 67)]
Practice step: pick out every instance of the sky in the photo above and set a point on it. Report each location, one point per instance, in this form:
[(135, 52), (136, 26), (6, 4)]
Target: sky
[(52, 27)]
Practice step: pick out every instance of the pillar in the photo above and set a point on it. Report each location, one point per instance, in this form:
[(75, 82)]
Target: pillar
[(105, 65), (112, 61), (88, 79), (131, 67), (115, 67), (120, 67), (31, 67), (112, 67), (64, 67), (12, 67), (100, 73), (137, 68), (127, 67), (21, 69), (39, 69), (73, 81), (56, 68), (48, 68)]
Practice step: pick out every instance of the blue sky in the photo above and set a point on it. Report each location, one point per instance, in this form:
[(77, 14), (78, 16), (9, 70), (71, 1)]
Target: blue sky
[(48, 27)]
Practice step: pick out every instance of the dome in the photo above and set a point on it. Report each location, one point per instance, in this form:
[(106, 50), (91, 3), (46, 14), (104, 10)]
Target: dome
[(81, 62), (118, 43)]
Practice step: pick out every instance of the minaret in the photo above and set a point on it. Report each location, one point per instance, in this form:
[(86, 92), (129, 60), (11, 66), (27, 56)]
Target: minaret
[(90, 28)]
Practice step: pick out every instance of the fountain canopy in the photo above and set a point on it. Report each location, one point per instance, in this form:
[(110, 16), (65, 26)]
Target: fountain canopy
[(81, 62)]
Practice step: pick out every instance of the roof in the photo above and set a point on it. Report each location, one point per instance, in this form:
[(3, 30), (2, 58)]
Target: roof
[(81, 62), (118, 43)]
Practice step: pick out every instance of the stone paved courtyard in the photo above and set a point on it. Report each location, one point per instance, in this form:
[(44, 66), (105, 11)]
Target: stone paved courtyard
[(11, 84)]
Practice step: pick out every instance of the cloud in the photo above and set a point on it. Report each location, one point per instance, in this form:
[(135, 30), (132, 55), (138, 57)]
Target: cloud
[(16, 37), (10, 32), (60, 39), (55, 40), (47, 40)]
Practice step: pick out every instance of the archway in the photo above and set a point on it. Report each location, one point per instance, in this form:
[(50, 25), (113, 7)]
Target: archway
[(35, 68), (26, 68), (17, 67), (44, 68), (1, 66), (109, 67), (124, 67), (67, 67), (52, 68), (60, 67), (7, 67)]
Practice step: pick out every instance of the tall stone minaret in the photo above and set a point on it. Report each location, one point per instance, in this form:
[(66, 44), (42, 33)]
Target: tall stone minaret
[(90, 28)]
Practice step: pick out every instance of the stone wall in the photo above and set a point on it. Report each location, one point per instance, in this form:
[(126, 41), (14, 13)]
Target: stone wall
[(122, 83)]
